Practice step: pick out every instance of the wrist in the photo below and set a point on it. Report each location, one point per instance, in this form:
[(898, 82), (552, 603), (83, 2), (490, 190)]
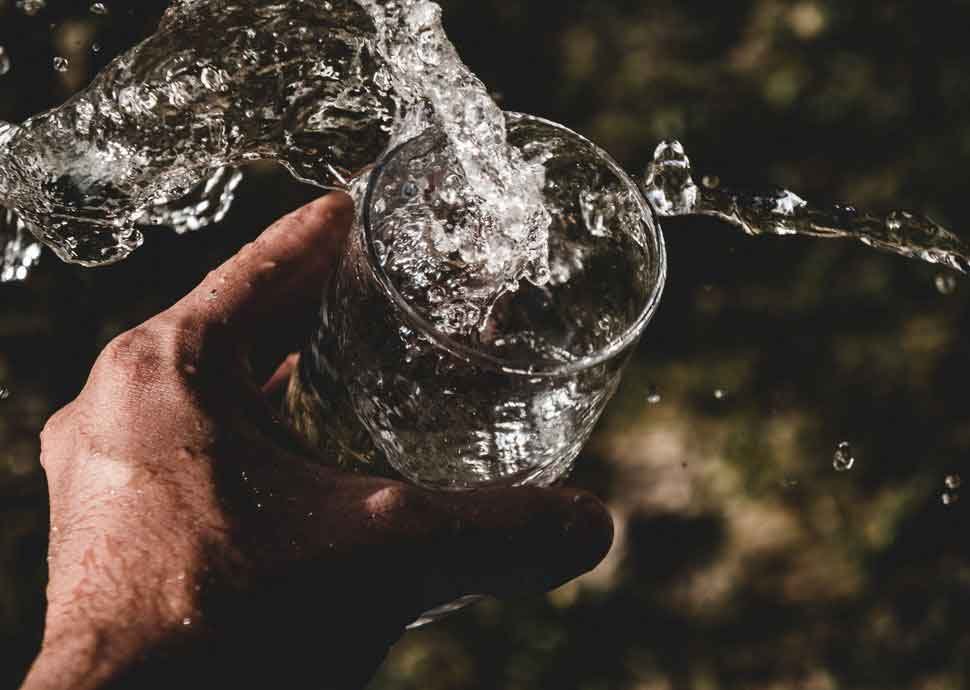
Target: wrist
[(89, 657)]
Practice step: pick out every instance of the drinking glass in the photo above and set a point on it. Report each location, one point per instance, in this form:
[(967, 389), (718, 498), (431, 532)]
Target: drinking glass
[(381, 389)]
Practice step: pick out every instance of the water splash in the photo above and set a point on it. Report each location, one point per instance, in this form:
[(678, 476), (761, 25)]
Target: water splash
[(220, 83), (206, 204), (669, 186), (19, 249), (323, 87), (843, 460), (31, 7)]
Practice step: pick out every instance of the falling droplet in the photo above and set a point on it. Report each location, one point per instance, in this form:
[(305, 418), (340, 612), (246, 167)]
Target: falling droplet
[(711, 181), (843, 460), (720, 394), (31, 7), (946, 284), (95, 47), (4, 392), (5, 63), (99, 8), (61, 64), (953, 481), (949, 499), (653, 396)]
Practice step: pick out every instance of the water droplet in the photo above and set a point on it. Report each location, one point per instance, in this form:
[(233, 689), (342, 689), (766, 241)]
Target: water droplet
[(789, 483), (31, 7), (843, 460), (711, 181), (186, 621), (5, 63), (61, 64), (720, 394), (653, 396), (946, 283), (949, 499), (953, 481), (4, 393), (95, 47), (99, 8), (212, 295)]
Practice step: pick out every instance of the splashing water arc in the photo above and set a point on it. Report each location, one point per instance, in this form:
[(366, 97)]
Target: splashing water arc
[(325, 87), (322, 87), (669, 185)]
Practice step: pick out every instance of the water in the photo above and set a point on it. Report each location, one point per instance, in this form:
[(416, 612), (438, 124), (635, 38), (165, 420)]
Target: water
[(843, 460), (389, 385), (322, 87), (669, 185), (19, 249), (31, 7)]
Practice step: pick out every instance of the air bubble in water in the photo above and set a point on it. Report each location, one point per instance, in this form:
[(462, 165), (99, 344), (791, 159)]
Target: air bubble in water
[(953, 481), (843, 460), (946, 284), (61, 64)]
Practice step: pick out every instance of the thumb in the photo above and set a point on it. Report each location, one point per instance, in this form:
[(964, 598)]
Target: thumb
[(266, 297), (517, 541)]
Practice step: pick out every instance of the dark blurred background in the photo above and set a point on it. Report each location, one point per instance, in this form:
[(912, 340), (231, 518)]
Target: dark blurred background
[(743, 560)]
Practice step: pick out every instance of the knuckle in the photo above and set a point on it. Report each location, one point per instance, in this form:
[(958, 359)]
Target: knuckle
[(147, 352), (55, 427), (399, 503)]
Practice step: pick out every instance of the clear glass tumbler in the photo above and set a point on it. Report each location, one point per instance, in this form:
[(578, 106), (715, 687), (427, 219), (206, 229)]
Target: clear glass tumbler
[(382, 389)]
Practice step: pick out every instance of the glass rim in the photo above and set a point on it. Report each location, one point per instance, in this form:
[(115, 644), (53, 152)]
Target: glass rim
[(423, 326)]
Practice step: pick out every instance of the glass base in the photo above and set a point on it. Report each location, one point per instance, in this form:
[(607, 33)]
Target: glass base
[(436, 614)]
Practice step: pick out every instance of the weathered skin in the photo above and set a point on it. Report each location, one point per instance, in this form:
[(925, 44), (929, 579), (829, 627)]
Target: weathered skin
[(193, 545)]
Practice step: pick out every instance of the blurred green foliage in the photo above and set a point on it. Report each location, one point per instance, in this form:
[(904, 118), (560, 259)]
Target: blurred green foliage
[(743, 560)]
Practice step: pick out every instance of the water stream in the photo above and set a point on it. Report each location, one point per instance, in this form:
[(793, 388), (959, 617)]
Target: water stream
[(324, 87)]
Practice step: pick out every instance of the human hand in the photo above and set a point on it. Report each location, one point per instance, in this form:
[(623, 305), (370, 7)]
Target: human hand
[(193, 544)]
